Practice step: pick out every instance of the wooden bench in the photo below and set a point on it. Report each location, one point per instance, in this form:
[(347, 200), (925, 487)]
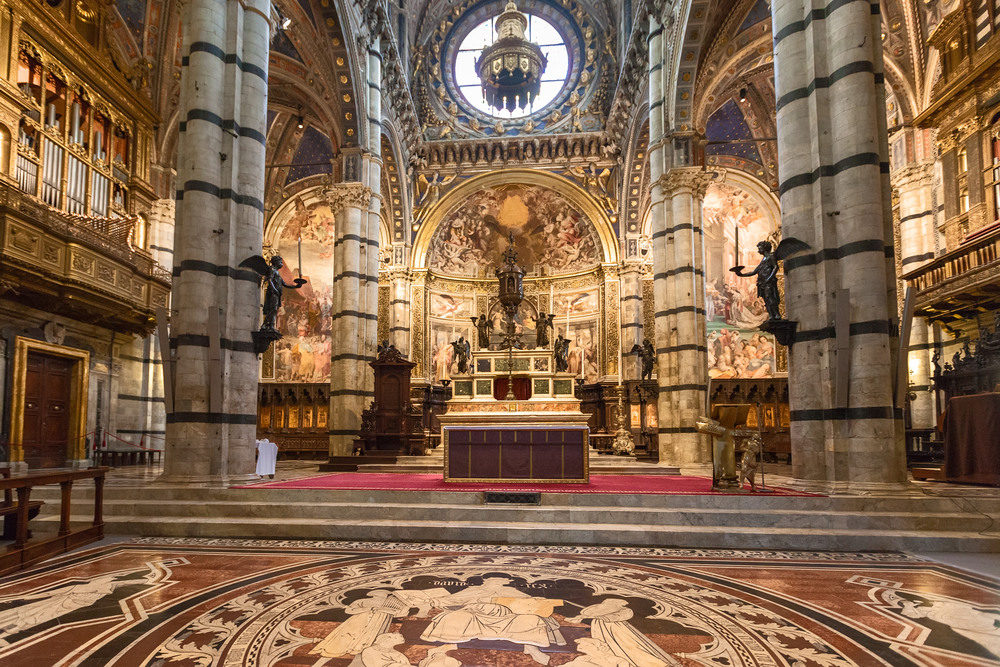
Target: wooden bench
[(8, 510), (26, 551)]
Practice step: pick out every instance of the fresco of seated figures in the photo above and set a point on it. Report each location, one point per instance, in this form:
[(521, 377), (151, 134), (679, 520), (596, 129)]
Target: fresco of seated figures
[(548, 232)]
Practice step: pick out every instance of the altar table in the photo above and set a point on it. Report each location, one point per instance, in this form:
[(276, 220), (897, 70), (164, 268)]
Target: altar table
[(516, 452)]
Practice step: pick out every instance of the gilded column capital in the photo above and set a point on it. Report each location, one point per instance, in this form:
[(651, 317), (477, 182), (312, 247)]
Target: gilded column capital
[(694, 180), (347, 195)]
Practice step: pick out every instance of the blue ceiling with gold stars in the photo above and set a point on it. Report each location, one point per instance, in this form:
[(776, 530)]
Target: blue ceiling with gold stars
[(760, 12), (728, 124), (314, 147), (134, 14), (307, 8)]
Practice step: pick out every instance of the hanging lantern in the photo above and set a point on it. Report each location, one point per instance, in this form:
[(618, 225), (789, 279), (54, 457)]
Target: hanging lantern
[(511, 68)]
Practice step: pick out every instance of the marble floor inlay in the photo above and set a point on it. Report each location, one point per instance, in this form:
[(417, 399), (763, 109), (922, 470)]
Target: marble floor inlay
[(198, 602)]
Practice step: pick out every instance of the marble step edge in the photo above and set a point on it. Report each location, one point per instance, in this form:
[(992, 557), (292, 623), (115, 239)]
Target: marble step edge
[(518, 515), (922, 503), (289, 505), (582, 534)]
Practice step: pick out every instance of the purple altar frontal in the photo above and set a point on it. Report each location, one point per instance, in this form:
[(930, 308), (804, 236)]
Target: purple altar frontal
[(556, 453)]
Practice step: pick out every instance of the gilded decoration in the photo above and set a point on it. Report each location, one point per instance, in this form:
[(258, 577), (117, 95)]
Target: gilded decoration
[(612, 305), (384, 298), (418, 316)]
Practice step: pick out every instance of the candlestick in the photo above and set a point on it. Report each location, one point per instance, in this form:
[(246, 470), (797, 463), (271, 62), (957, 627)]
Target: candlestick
[(621, 328), (300, 257), (738, 245)]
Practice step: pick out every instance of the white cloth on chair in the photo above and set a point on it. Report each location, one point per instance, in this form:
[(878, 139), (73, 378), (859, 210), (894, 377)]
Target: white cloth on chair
[(267, 455)]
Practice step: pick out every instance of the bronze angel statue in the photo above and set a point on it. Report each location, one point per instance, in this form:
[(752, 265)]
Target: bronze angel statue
[(271, 273), (484, 328), (542, 325), (647, 355), (767, 272)]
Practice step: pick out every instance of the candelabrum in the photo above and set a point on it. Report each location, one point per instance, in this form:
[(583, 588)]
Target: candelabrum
[(511, 277)]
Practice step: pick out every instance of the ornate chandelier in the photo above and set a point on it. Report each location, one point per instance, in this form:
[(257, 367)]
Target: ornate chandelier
[(511, 68)]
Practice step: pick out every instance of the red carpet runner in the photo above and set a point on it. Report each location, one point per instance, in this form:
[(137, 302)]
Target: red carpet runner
[(642, 484)]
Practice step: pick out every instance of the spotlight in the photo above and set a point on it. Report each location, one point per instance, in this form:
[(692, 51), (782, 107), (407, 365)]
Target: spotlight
[(285, 23), (743, 94), (301, 122)]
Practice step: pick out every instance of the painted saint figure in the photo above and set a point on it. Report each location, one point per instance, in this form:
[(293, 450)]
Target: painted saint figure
[(610, 625), (496, 611)]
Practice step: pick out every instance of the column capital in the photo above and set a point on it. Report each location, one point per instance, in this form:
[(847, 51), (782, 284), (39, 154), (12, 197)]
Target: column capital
[(347, 195), (693, 179), (915, 174)]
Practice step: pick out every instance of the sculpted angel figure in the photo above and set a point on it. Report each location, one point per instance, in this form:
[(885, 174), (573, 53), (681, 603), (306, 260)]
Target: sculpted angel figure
[(647, 355), (561, 350), (430, 189), (271, 273), (542, 325), (485, 328), (767, 272), (462, 352)]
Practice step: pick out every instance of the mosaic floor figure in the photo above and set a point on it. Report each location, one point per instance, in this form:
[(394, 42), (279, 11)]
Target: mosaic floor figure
[(190, 602)]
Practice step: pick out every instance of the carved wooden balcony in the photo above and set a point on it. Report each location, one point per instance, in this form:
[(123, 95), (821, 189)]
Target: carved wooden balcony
[(962, 283), (77, 266)]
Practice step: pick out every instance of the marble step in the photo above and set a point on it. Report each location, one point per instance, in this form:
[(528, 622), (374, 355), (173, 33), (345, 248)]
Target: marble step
[(82, 498), (336, 512), (632, 534)]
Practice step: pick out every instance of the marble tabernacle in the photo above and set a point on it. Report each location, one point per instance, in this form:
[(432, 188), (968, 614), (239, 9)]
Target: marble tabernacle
[(540, 436)]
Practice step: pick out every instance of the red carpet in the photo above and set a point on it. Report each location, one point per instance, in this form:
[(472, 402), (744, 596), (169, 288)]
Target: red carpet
[(643, 484)]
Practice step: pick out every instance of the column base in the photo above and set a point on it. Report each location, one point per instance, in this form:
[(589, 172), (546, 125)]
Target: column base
[(18, 468), (849, 488), (79, 464), (207, 481)]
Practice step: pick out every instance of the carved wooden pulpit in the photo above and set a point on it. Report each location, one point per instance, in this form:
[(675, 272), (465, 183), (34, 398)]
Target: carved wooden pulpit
[(391, 423)]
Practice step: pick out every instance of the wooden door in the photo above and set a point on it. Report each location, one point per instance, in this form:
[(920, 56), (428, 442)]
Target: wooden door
[(46, 410)]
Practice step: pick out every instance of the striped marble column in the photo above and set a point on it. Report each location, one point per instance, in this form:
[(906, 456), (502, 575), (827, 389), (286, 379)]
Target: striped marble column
[(399, 309), (350, 203), (161, 232), (219, 223), (678, 252), (916, 239), (835, 196), (373, 167), (632, 333)]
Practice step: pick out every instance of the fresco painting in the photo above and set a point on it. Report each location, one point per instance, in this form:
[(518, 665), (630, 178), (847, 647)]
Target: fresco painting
[(548, 232), (303, 355), (736, 346), (442, 333), (584, 346)]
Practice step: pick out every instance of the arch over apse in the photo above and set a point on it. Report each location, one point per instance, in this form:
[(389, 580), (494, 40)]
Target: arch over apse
[(606, 241)]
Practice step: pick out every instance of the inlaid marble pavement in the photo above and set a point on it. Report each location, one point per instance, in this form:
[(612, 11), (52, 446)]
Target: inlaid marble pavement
[(197, 602)]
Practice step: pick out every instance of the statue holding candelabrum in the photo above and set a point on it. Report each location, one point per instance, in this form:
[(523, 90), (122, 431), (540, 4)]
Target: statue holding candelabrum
[(767, 284)]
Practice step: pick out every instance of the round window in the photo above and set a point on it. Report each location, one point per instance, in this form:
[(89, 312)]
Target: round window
[(542, 33)]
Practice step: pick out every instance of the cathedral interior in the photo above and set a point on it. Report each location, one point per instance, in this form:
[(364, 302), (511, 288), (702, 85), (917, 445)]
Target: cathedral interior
[(746, 237)]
